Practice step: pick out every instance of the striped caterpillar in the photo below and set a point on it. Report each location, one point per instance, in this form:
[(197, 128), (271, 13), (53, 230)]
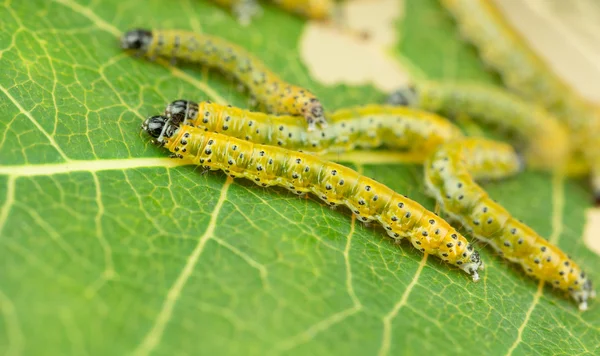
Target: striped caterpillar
[(526, 74), (244, 10), (546, 137), (278, 96), (366, 127), (448, 177), (333, 183)]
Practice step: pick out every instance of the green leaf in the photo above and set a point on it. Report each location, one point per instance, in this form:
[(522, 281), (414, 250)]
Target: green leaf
[(108, 247)]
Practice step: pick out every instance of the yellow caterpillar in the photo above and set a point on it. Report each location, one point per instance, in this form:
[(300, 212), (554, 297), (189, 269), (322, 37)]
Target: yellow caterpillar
[(278, 96), (547, 139), (526, 74), (333, 183), (359, 127), (449, 177)]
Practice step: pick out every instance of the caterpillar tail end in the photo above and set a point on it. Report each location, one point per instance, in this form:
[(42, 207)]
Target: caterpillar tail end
[(584, 294), (473, 266)]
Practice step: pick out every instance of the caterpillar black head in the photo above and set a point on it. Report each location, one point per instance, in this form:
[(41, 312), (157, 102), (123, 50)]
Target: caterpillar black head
[(404, 96), (158, 127), (180, 111), (138, 39), (314, 113)]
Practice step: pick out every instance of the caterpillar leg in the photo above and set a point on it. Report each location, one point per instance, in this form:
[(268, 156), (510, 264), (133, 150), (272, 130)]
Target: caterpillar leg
[(450, 174)]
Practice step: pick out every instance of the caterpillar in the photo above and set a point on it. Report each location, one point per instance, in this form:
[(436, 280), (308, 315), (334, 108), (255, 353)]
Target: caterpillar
[(547, 139), (365, 127), (449, 175), (244, 10), (333, 183), (276, 95), (525, 73)]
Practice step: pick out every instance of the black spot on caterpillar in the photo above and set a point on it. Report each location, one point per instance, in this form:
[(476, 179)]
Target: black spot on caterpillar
[(365, 127), (448, 177), (547, 139), (276, 95), (400, 216), (526, 74)]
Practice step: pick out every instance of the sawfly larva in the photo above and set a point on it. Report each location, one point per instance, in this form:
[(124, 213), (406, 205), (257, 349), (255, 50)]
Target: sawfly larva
[(368, 126), (546, 138), (278, 96), (449, 176)]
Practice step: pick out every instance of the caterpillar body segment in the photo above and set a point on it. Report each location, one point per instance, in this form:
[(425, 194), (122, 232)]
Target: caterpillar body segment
[(276, 95), (368, 126), (333, 183), (449, 176), (547, 139)]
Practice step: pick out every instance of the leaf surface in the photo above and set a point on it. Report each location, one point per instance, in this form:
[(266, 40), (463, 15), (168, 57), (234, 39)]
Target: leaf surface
[(109, 247)]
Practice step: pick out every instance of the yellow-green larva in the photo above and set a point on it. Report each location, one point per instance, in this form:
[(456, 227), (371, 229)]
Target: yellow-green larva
[(449, 176), (369, 126), (333, 183), (525, 73), (276, 95), (547, 139)]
